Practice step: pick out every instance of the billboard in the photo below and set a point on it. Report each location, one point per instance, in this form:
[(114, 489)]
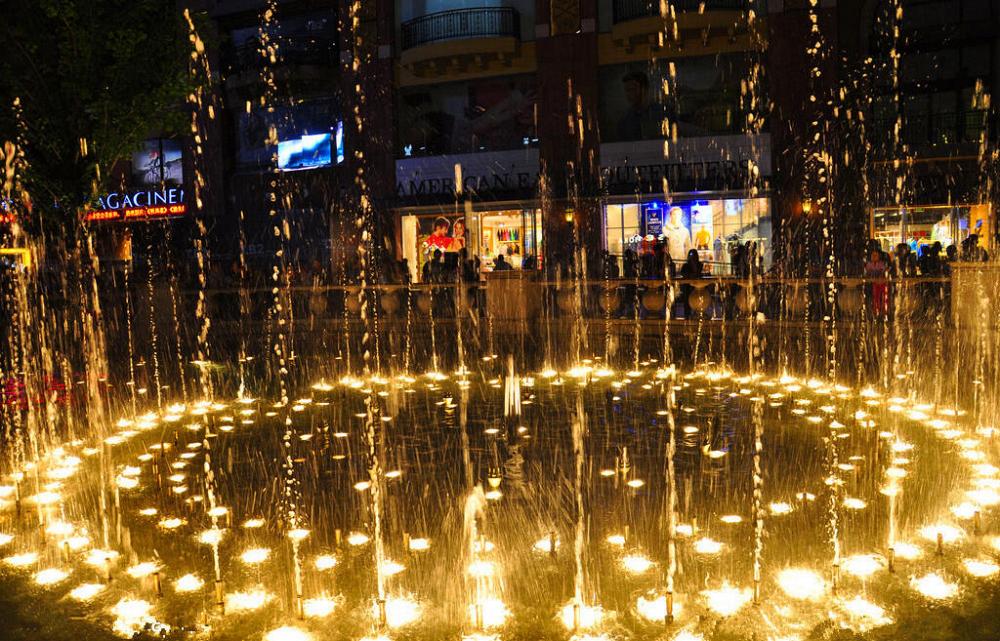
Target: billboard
[(467, 117), (293, 122), (158, 163), (704, 99)]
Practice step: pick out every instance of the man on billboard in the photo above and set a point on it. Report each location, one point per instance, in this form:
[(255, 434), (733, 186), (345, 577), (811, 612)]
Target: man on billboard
[(643, 119)]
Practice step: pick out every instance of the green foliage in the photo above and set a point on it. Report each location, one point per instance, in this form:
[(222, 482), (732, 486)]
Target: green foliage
[(112, 72)]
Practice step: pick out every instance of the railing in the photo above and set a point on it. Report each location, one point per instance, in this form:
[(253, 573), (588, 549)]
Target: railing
[(460, 23), (319, 50), (625, 10), (940, 128)]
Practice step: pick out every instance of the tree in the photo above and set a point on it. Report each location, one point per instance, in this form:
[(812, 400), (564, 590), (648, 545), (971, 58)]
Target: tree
[(93, 79)]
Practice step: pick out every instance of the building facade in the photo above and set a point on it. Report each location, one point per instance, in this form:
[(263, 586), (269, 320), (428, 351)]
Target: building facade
[(530, 128)]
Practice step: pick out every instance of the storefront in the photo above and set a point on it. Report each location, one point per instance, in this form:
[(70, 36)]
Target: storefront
[(713, 226), (514, 233), (926, 225)]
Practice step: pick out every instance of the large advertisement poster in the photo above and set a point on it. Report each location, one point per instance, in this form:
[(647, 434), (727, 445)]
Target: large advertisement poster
[(157, 164), (466, 117), (704, 99), (447, 234)]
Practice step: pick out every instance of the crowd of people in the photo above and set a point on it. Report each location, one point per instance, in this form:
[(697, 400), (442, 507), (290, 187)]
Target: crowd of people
[(881, 267)]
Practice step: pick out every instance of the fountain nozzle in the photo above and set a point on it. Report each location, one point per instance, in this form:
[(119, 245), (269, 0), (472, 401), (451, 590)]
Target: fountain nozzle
[(381, 614)]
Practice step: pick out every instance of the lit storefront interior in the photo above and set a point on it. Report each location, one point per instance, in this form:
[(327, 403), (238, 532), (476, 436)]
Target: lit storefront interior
[(918, 226), (515, 234), (712, 226)]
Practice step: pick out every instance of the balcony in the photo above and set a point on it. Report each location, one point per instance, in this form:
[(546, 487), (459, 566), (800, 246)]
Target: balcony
[(626, 10), (487, 22), (707, 26), (455, 41)]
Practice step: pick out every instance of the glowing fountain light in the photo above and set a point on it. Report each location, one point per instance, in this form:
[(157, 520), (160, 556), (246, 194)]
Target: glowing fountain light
[(392, 568), (862, 565), (141, 570), (636, 563), (21, 560), (933, 586), (906, 550), (399, 611), (318, 607), (50, 576), (131, 616), (252, 524), (578, 616), (60, 529), (171, 523), (802, 584), (86, 591), (298, 534), (864, 614), (492, 611), (254, 556), (617, 540), (981, 568), (482, 569), (357, 538), (288, 633), (325, 562), (100, 558), (655, 608), (546, 544), (707, 546), (246, 601), (964, 511), (780, 509), (726, 600), (947, 533), (188, 583), (210, 537), (420, 545), (5, 538), (687, 635)]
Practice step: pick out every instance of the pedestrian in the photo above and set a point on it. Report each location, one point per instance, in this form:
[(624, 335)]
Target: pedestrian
[(876, 270)]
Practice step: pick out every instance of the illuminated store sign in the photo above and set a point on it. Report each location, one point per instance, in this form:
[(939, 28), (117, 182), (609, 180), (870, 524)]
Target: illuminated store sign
[(140, 205)]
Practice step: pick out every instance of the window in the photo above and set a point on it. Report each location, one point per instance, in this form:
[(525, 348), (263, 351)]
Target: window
[(622, 223)]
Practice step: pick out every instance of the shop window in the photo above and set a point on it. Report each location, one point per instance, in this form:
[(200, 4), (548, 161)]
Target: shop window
[(622, 223), (514, 234)]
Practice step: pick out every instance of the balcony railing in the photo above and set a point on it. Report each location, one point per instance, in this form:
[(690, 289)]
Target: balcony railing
[(625, 10), (319, 50), (460, 23), (939, 128)]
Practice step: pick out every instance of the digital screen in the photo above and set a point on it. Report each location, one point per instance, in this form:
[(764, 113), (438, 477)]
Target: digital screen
[(306, 152)]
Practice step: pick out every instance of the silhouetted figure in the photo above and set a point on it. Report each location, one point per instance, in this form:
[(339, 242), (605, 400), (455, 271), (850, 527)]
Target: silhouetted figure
[(691, 269)]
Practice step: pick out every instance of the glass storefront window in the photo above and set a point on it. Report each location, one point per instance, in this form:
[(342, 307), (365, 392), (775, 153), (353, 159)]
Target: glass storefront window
[(514, 234), (712, 226), (918, 226), (621, 224)]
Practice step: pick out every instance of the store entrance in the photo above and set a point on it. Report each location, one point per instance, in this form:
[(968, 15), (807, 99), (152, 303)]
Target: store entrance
[(515, 235)]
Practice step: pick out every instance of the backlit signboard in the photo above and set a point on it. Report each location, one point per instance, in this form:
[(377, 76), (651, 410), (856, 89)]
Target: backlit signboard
[(139, 205)]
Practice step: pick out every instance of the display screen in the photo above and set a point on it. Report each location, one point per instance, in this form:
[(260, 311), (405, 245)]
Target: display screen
[(306, 152)]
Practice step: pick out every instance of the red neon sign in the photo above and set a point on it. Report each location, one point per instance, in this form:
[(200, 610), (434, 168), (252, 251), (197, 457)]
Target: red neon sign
[(137, 213)]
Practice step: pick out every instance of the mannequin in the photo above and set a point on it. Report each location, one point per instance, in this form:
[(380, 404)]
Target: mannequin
[(677, 235)]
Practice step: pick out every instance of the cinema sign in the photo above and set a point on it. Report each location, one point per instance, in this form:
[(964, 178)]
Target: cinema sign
[(139, 205)]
